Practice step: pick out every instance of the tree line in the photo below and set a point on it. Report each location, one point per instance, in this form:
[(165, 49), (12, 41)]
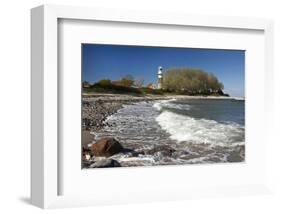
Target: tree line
[(188, 81), (191, 81)]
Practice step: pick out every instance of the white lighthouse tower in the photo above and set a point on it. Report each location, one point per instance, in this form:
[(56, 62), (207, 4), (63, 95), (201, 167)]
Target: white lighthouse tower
[(160, 77)]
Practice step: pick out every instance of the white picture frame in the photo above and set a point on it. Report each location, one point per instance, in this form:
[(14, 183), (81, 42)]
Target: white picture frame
[(45, 154)]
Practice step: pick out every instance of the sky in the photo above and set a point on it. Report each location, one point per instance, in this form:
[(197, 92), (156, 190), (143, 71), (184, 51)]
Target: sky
[(116, 61)]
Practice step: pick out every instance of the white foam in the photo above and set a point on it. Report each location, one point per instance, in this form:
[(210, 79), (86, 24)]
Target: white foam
[(187, 129), (137, 159), (169, 104), (239, 98)]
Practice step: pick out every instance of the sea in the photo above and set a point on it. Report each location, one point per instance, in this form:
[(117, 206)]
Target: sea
[(179, 131)]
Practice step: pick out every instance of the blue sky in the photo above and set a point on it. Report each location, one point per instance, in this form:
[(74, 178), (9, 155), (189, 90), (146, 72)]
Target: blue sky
[(115, 61)]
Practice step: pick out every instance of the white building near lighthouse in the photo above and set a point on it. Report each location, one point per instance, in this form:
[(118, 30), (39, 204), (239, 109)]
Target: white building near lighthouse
[(160, 77)]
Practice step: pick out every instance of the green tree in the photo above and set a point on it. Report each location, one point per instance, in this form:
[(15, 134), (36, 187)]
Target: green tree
[(104, 82), (191, 81)]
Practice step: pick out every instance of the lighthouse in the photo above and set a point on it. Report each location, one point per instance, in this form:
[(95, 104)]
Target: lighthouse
[(160, 77)]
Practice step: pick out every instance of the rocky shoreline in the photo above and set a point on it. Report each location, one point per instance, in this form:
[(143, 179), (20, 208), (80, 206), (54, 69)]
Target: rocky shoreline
[(96, 108), (102, 152)]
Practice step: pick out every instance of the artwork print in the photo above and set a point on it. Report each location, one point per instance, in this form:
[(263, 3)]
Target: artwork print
[(155, 106)]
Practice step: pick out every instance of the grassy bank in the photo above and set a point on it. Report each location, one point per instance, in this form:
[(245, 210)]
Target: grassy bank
[(118, 89)]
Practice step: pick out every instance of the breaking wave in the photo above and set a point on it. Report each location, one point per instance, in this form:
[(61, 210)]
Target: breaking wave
[(151, 129), (185, 128), (169, 104)]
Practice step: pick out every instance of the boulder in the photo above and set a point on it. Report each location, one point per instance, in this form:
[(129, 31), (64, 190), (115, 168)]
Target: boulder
[(106, 147), (105, 163)]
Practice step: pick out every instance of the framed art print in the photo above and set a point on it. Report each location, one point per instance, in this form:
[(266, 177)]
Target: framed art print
[(151, 107), (135, 113)]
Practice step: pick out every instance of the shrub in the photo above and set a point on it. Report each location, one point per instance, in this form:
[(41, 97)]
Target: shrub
[(152, 91), (104, 82)]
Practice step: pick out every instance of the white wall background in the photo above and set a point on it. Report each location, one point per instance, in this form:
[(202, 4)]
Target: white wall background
[(15, 99)]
